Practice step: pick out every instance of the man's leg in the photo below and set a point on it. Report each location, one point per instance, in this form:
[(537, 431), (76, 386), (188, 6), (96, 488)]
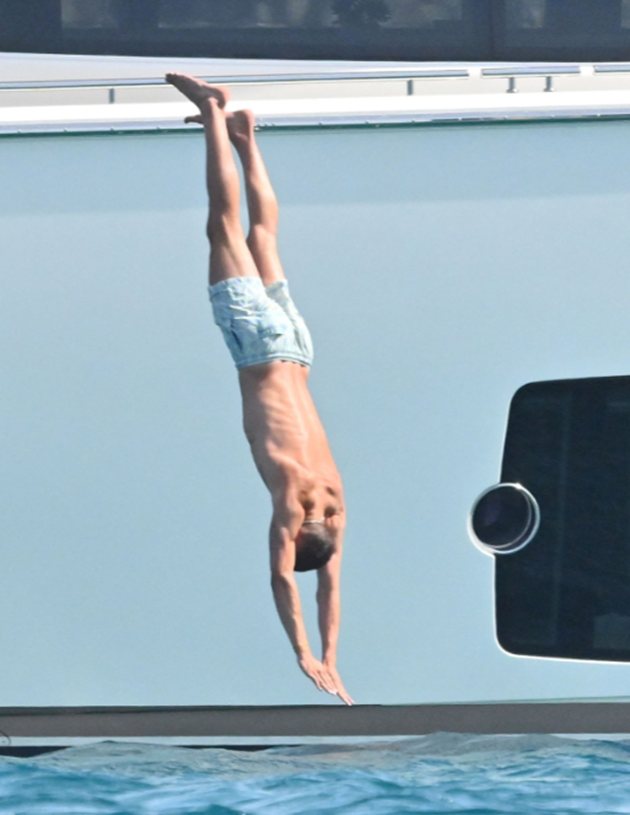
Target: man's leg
[(229, 255), (261, 199)]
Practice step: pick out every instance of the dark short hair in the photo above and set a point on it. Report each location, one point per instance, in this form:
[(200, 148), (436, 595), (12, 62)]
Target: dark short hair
[(314, 547)]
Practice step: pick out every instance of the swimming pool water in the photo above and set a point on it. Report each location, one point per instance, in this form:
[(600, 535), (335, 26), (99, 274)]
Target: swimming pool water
[(442, 773)]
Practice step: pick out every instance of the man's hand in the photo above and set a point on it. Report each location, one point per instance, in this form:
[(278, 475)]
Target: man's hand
[(340, 691), (324, 676)]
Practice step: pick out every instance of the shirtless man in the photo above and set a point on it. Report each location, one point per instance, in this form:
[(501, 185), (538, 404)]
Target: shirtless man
[(272, 350)]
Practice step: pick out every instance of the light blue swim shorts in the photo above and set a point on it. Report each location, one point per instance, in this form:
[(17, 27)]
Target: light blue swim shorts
[(260, 323)]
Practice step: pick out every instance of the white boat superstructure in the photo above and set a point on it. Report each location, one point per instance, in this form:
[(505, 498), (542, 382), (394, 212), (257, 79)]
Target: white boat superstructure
[(47, 94), (452, 232)]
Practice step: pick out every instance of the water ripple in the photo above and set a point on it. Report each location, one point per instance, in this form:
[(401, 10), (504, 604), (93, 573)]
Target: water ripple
[(442, 773)]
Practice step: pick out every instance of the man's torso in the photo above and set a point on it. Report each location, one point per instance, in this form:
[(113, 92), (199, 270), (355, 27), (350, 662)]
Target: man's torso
[(286, 436)]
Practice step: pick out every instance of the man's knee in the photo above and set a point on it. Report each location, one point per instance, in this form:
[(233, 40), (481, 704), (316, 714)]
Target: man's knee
[(224, 229), (261, 240)]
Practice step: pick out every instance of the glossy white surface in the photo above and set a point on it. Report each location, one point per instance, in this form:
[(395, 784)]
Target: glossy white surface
[(439, 270)]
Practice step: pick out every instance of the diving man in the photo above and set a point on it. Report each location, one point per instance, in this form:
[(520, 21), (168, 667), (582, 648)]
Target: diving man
[(272, 350)]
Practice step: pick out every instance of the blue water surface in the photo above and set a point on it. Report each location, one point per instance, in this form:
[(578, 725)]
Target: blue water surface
[(442, 773)]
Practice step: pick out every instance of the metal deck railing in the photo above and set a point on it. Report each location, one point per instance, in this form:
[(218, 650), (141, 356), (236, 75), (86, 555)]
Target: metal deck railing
[(414, 95), (408, 78)]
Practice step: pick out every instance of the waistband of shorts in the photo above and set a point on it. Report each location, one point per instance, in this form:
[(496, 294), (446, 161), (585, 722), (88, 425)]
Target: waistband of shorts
[(281, 356), (236, 284)]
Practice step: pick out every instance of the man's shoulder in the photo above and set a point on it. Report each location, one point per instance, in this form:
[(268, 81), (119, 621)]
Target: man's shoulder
[(291, 478), (287, 506)]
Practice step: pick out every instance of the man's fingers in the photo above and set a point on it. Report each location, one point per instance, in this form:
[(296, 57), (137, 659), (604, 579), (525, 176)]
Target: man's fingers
[(340, 690), (325, 679), (329, 682), (317, 678), (328, 686), (345, 698), (343, 694)]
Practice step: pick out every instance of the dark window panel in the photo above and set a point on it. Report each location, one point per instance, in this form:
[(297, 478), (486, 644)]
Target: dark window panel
[(89, 14), (571, 30), (597, 30), (424, 14), (525, 14), (26, 23), (567, 594), (308, 29)]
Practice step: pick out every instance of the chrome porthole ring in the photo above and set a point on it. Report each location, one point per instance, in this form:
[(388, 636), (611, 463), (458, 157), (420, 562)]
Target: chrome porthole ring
[(503, 519)]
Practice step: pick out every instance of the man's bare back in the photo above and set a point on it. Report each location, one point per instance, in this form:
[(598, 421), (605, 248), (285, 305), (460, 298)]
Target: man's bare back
[(272, 350), (287, 438)]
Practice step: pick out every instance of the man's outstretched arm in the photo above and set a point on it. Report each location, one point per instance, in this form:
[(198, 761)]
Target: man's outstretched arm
[(285, 525), (329, 615)]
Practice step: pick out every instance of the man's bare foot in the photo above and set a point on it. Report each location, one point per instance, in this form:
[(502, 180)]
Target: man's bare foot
[(240, 125), (198, 91)]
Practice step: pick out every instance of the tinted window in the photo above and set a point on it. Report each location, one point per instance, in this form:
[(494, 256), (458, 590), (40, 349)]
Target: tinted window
[(564, 29), (571, 30), (340, 29), (567, 594)]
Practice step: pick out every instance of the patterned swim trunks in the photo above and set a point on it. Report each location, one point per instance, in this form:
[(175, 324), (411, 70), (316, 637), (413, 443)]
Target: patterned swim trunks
[(260, 323)]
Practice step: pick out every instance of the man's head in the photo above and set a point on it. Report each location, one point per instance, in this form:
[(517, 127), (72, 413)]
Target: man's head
[(314, 546)]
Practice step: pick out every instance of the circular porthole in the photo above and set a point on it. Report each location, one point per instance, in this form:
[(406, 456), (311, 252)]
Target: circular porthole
[(503, 519)]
